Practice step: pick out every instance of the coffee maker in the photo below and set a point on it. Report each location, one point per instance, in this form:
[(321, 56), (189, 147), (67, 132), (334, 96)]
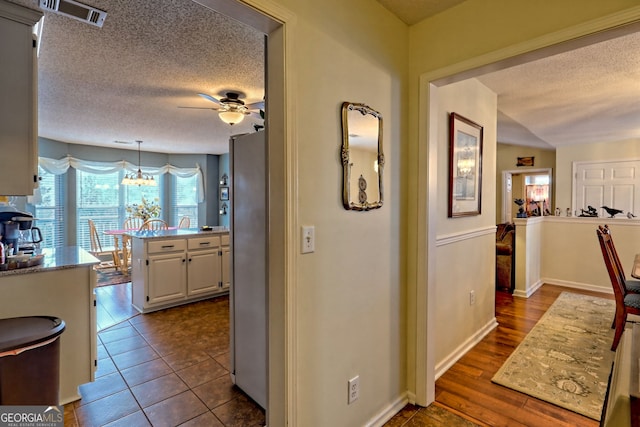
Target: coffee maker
[(16, 228)]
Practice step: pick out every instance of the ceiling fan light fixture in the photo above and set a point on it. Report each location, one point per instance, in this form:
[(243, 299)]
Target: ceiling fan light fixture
[(231, 117)]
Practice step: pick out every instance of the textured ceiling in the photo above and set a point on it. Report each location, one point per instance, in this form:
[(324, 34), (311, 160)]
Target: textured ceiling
[(587, 95), (126, 80)]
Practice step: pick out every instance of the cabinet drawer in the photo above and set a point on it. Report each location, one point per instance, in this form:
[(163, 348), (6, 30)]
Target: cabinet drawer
[(160, 246), (224, 238), (204, 242)]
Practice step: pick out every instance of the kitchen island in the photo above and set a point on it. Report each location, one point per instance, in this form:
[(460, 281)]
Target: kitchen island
[(174, 267), (62, 286)]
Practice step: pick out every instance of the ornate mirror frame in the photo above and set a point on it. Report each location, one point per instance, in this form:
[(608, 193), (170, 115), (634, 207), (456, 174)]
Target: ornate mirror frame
[(361, 139)]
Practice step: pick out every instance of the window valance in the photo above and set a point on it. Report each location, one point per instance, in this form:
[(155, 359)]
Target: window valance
[(60, 166)]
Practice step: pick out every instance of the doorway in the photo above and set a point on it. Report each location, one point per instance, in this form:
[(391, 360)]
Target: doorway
[(423, 361), (272, 19), (533, 186)]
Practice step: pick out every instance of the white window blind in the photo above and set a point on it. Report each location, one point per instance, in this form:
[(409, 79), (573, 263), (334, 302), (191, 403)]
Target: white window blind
[(184, 200), (50, 210)]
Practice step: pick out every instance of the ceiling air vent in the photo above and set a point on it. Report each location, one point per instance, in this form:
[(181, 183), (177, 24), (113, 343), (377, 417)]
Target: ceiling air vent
[(75, 10)]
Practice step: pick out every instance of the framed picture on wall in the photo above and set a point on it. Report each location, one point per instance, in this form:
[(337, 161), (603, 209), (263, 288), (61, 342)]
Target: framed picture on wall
[(224, 193), (465, 166)]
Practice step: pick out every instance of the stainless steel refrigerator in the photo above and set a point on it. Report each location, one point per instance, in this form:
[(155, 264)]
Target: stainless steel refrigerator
[(248, 294)]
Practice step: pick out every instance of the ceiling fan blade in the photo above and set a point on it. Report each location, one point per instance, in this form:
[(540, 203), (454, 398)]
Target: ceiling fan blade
[(210, 98), (201, 108), (256, 105)]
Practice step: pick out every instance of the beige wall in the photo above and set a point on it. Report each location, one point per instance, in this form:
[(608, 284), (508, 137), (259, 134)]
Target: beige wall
[(355, 306), (566, 155), (473, 34), (474, 235), (349, 313), (507, 158)]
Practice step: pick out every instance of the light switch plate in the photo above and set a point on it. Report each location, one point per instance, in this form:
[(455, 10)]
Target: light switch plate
[(308, 239)]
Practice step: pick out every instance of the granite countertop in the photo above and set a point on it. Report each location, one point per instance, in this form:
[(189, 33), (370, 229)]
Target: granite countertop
[(180, 232), (57, 259)]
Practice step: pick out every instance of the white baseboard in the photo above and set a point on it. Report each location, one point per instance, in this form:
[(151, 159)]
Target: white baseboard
[(529, 291), (387, 413), (454, 356), (586, 286)]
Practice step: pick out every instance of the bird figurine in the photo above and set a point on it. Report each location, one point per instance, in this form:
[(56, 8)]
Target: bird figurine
[(630, 215), (611, 211)]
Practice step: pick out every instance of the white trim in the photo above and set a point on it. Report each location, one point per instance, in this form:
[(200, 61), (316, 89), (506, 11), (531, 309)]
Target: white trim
[(448, 239), (578, 285), (595, 220), (529, 291), (512, 172), (388, 412), (463, 348)]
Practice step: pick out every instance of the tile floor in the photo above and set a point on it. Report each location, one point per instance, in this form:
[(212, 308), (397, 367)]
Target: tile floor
[(166, 368)]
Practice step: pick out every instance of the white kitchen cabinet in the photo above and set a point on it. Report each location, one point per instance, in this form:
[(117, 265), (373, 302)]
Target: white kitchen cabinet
[(18, 103), (176, 270), (206, 264), (167, 272), (203, 271)]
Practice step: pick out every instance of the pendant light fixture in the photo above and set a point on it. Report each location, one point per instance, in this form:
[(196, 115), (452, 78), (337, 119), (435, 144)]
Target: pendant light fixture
[(138, 179)]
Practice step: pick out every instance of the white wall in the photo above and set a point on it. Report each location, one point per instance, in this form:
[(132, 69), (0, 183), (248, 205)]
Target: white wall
[(466, 245)]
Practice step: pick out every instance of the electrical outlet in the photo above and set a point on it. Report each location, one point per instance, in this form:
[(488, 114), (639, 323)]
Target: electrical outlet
[(472, 297), (354, 389), (308, 239)]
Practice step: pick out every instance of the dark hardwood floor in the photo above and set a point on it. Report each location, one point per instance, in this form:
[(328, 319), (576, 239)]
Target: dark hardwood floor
[(466, 388)]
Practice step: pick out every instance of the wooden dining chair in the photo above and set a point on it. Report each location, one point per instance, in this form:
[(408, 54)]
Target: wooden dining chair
[(626, 302), (155, 224), (132, 223), (185, 222), (630, 285), (99, 251)]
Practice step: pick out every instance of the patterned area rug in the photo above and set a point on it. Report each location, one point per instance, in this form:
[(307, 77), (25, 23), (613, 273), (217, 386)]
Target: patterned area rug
[(111, 277), (566, 358)]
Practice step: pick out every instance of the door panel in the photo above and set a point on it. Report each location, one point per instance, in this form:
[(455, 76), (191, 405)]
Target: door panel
[(615, 184)]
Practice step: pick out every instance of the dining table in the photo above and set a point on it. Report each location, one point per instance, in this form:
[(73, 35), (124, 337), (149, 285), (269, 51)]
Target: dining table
[(635, 271)]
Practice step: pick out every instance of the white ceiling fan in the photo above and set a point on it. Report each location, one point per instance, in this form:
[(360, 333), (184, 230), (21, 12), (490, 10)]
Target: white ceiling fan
[(231, 108)]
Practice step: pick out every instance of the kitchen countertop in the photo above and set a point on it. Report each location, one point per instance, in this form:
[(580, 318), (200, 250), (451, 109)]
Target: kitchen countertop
[(57, 259), (180, 232)]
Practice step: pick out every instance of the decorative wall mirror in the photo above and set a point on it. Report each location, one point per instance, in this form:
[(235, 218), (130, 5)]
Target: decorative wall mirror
[(362, 157)]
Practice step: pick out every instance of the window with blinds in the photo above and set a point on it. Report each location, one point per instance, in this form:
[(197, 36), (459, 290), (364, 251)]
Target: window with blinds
[(184, 200), (101, 198), (50, 211)]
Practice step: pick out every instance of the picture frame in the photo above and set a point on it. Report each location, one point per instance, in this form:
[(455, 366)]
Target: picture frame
[(465, 166), (224, 193), (525, 161)]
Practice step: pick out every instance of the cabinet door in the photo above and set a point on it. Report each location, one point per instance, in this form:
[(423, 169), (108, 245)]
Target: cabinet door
[(18, 86), (225, 265), (167, 278), (204, 272)]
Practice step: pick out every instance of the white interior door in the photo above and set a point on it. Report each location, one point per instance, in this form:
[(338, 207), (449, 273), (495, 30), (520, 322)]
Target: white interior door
[(615, 184)]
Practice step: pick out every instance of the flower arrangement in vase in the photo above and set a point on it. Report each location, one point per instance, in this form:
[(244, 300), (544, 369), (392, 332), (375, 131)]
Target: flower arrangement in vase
[(145, 210)]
